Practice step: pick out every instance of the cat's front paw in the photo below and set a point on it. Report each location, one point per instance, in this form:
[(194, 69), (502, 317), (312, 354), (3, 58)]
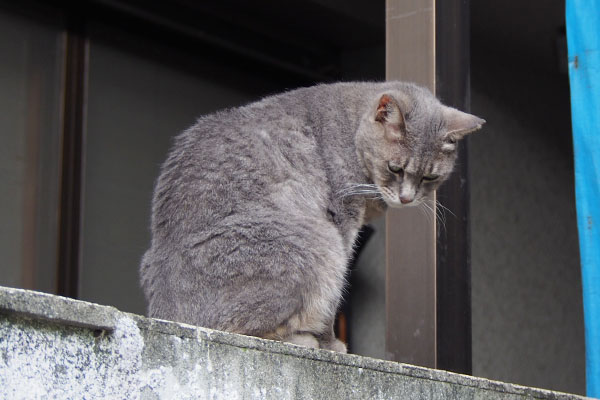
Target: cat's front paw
[(303, 339), (335, 345)]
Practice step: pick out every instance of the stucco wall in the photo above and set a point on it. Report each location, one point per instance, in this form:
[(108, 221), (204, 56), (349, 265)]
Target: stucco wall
[(526, 282)]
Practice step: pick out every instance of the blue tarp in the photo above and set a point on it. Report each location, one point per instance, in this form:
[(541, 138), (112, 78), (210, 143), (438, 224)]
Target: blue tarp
[(583, 39)]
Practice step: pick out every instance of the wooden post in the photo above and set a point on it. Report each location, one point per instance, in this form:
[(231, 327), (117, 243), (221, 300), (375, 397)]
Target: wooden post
[(410, 235), (428, 310)]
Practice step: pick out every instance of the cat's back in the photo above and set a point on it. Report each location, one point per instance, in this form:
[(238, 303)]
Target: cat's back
[(262, 157), (237, 139)]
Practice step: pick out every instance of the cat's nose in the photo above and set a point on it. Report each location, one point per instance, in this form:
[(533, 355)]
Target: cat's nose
[(406, 200)]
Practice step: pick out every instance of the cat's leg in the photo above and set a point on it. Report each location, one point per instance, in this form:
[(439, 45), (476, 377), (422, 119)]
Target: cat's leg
[(335, 345), (328, 340), (321, 298), (303, 339), (302, 331), (317, 341)]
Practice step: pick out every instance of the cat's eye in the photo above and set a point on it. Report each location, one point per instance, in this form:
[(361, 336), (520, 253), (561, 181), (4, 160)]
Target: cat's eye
[(396, 169), (430, 178)]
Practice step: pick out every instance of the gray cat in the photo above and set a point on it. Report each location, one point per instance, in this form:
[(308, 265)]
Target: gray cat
[(257, 208)]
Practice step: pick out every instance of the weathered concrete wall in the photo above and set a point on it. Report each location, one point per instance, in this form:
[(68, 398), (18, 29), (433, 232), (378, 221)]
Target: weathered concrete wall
[(52, 347)]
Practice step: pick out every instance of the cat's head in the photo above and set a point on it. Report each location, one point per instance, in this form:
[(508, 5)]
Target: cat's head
[(409, 143)]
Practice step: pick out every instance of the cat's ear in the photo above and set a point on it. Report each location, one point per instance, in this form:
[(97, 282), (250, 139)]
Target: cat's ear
[(459, 124), (390, 116)]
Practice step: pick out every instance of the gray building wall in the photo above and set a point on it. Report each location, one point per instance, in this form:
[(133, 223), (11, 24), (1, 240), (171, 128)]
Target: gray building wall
[(526, 299)]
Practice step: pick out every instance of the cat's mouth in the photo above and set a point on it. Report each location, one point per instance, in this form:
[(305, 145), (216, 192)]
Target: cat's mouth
[(378, 192), (394, 200), (399, 204)]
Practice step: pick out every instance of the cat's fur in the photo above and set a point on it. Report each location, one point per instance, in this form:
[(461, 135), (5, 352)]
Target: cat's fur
[(257, 208)]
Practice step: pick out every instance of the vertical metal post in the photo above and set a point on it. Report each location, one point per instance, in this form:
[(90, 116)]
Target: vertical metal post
[(410, 235), (74, 98), (453, 237)]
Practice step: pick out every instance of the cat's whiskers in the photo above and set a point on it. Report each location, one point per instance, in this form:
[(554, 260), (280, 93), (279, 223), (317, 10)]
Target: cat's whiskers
[(421, 209), (426, 209), (360, 193), (434, 212), (360, 189), (351, 186), (367, 195), (437, 208), (441, 216), (444, 208)]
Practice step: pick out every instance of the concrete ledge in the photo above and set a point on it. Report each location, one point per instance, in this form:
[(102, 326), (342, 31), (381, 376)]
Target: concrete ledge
[(62, 348)]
